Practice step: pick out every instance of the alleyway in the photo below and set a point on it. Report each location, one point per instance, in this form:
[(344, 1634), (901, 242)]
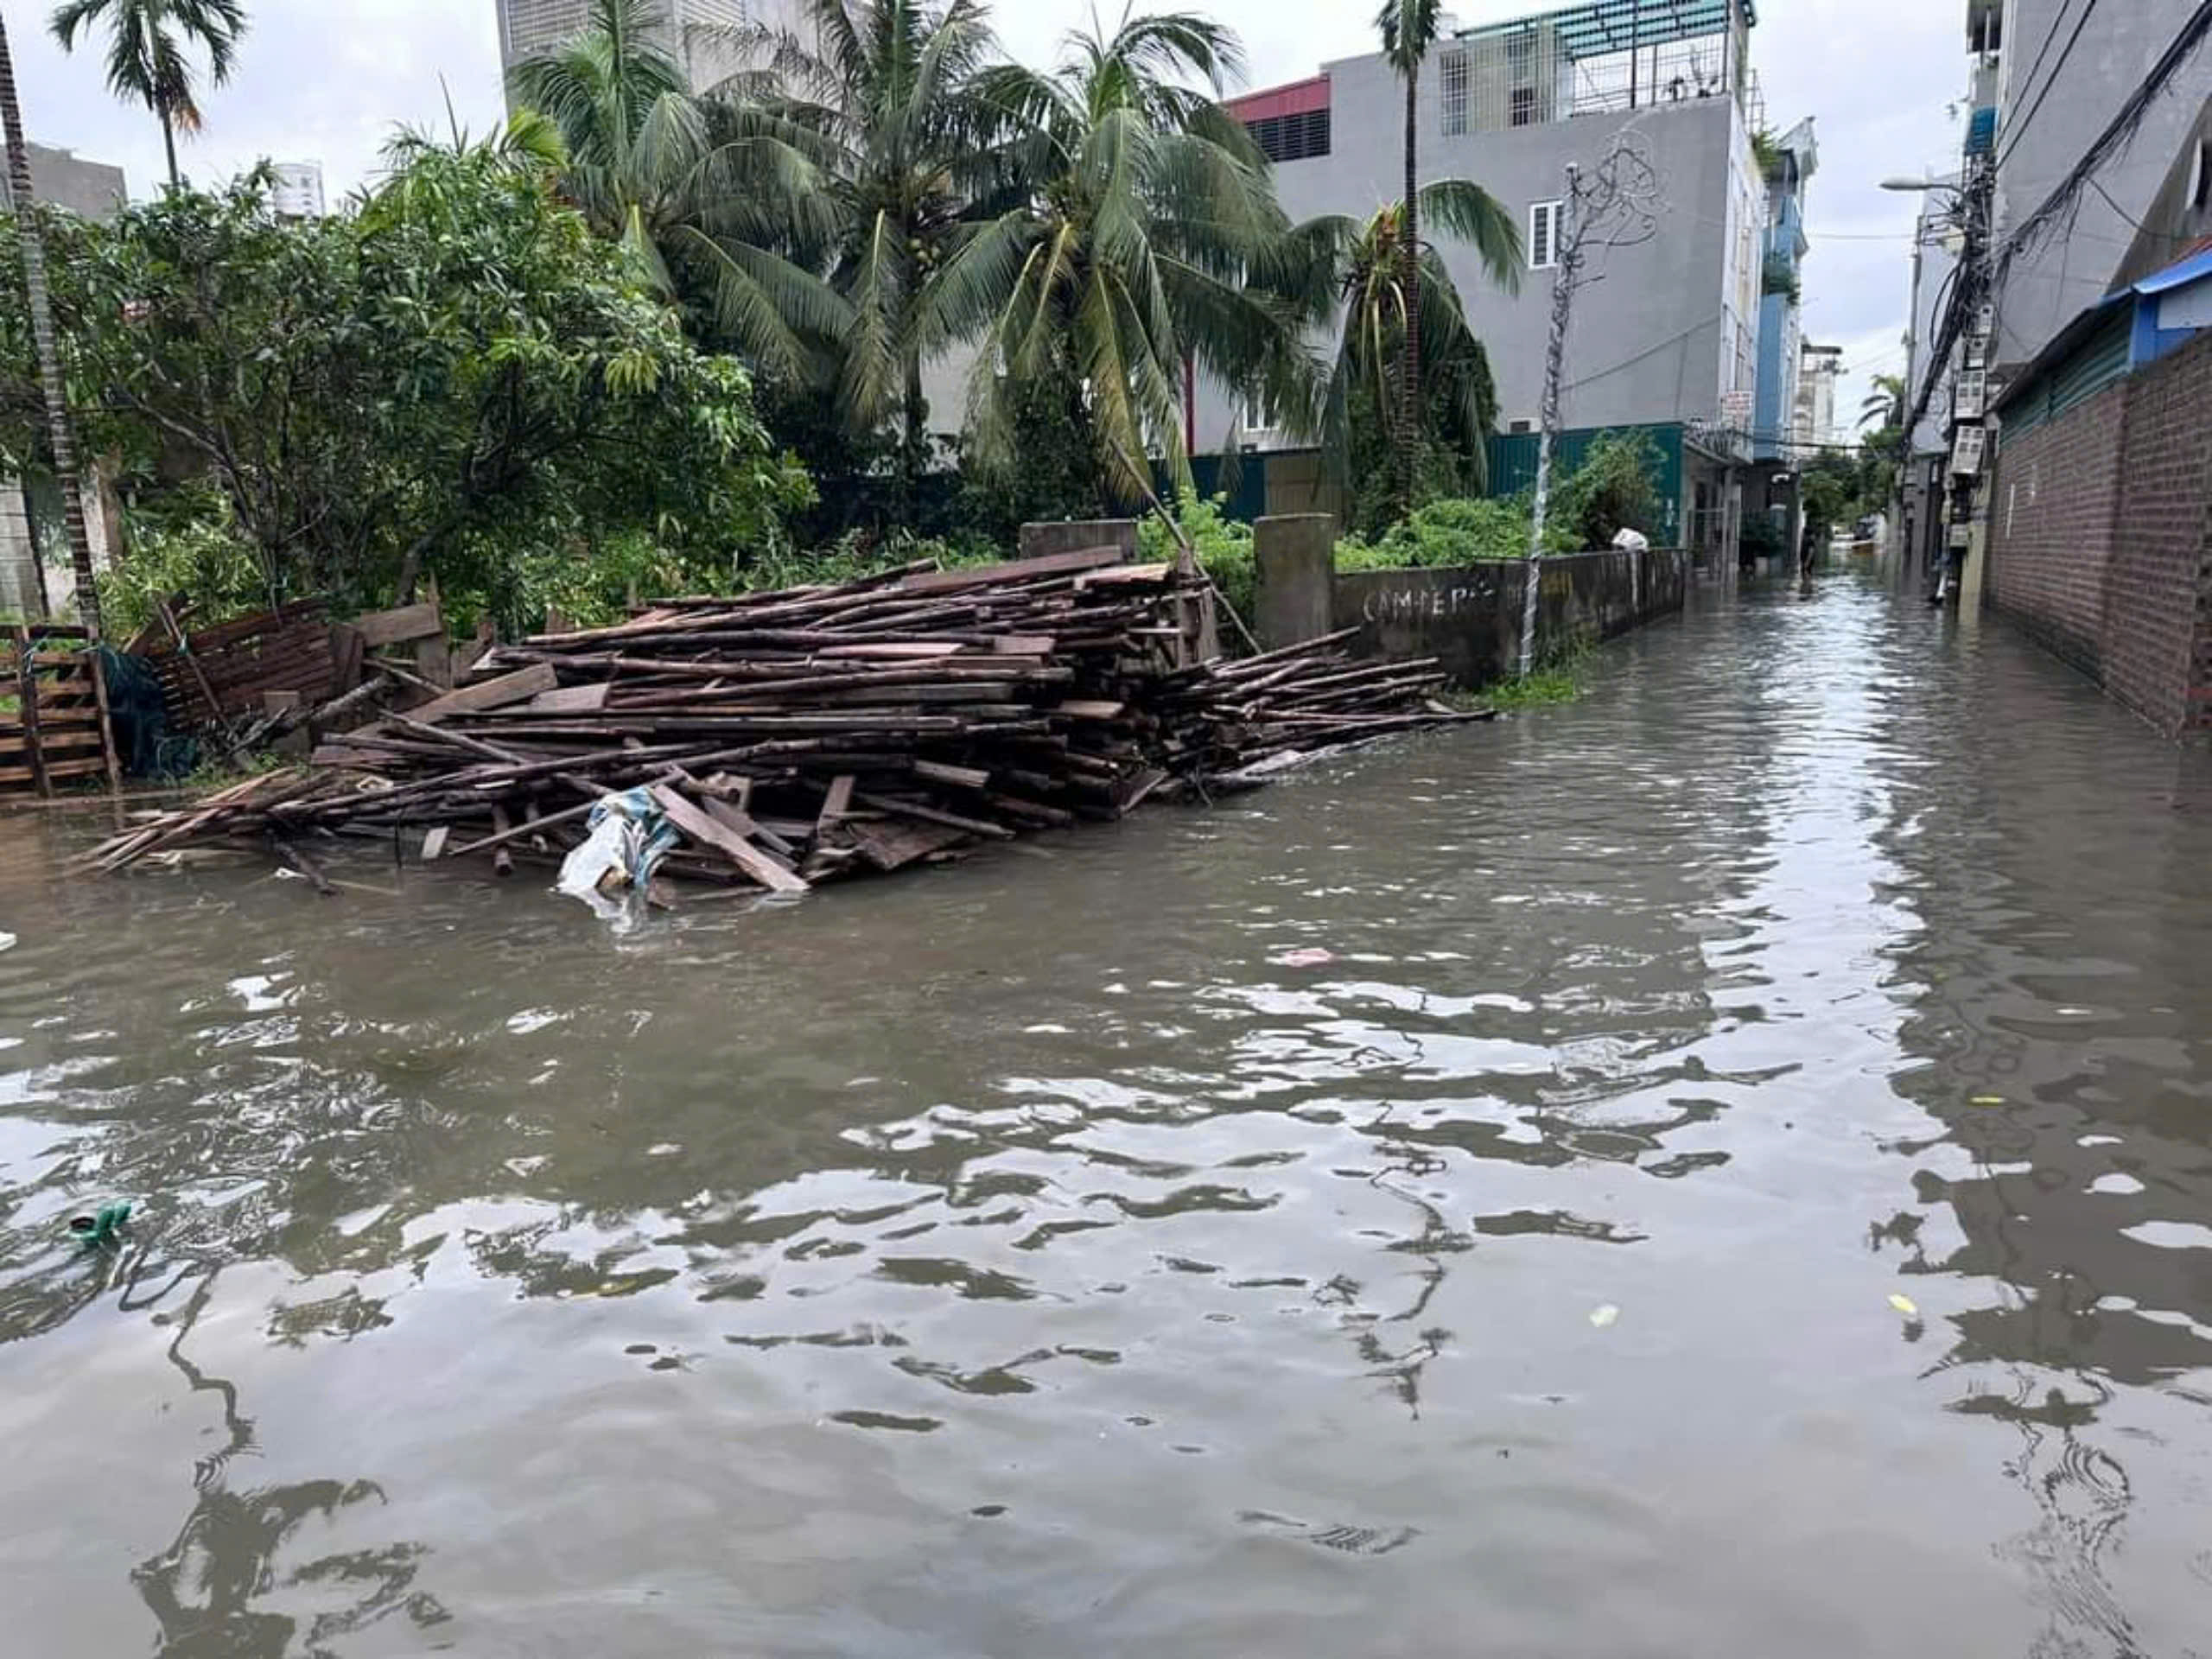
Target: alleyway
[(1721, 1169)]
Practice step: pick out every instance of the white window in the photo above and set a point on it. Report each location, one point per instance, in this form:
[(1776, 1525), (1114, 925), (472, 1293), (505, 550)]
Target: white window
[(1452, 81), (1543, 234), (1260, 420)]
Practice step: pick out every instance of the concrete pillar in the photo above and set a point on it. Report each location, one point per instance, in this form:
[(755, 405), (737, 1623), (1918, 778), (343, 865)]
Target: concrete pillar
[(1297, 560), (1080, 536)]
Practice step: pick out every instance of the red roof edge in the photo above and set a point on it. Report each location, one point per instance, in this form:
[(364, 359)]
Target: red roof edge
[(1299, 97)]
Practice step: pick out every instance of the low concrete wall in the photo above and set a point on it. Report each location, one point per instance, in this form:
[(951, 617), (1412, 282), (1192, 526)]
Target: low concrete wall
[(1467, 616)]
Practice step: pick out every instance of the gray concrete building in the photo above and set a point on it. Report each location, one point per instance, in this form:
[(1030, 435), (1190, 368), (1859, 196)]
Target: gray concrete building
[(1665, 331), (60, 176), (2056, 73), (694, 28)]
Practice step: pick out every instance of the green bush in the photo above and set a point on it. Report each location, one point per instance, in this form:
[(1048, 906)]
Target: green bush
[(1610, 491), (1449, 532), (1223, 545), (193, 551)]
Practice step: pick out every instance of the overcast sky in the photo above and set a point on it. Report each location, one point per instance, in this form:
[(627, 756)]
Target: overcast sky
[(326, 80)]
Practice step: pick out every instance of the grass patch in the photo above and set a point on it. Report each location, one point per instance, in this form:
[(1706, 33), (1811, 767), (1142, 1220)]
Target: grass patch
[(1558, 679), (1534, 690)]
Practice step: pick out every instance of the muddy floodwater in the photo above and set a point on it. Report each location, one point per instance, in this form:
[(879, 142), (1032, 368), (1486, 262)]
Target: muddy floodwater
[(1724, 1168)]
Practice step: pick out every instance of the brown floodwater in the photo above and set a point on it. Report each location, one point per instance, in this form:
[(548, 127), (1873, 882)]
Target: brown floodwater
[(1041, 1256)]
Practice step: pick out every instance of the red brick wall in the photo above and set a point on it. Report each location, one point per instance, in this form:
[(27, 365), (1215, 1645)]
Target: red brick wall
[(2155, 621), (2100, 523)]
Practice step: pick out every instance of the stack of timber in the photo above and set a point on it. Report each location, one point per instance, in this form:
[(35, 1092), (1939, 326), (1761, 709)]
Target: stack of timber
[(798, 736)]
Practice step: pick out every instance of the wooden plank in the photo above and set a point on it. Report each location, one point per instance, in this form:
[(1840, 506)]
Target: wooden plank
[(741, 852), (570, 699), (381, 628), (435, 842), (1051, 564), (27, 699), (934, 815), (839, 803), (892, 846), (1083, 709), (522, 683), (1024, 644), (957, 777)]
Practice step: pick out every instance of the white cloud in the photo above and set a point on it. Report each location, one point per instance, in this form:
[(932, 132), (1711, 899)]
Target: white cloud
[(328, 79)]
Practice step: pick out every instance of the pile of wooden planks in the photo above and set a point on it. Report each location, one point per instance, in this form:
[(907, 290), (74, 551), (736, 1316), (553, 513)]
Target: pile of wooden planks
[(797, 736)]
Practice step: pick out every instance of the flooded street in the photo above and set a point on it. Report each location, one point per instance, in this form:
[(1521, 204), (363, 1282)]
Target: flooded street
[(1739, 1184)]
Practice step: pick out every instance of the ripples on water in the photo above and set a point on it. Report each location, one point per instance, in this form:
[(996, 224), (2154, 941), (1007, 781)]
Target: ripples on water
[(1028, 1258)]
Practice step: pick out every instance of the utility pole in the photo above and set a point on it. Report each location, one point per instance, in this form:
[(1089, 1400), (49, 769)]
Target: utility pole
[(1569, 253), (1969, 385)]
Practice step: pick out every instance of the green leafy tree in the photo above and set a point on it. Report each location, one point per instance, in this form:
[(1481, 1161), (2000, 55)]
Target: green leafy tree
[(148, 52), (1885, 404), (50, 398), (459, 378), (1611, 491), (709, 204), (1362, 273), (887, 91), (1137, 205), (1409, 29), (1828, 491)]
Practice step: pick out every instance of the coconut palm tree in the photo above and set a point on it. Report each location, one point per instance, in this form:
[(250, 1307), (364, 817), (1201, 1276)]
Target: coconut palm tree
[(1409, 29), (43, 342), (1362, 267), (888, 86), (147, 60), (1885, 404), (1135, 208), (704, 201)]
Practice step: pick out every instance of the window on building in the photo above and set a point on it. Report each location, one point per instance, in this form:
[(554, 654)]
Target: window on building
[(1521, 106), (2200, 175), (1543, 235), (1452, 81), (1260, 420), (1291, 137)]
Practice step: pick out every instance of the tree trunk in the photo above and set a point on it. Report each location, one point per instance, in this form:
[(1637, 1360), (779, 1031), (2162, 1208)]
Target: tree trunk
[(42, 341), (169, 145), (913, 447), (1569, 256), (1409, 251)]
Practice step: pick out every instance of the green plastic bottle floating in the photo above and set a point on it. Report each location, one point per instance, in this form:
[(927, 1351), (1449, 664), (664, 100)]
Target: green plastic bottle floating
[(104, 1225)]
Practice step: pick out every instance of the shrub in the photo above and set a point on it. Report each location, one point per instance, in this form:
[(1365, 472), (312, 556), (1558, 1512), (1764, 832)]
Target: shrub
[(1449, 532), (1222, 544), (1610, 491)]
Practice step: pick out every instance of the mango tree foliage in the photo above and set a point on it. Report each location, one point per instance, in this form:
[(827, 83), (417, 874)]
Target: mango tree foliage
[(457, 378)]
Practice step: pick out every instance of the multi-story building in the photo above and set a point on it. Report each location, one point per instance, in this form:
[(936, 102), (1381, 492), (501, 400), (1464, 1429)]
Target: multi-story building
[(2054, 73), (298, 190), (2046, 79), (60, 178), (694, 28), (1789, 162), (1665, 334), (1812, 425)]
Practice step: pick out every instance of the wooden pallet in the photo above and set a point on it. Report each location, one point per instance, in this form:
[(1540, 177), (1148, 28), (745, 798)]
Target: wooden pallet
[(58, 729)]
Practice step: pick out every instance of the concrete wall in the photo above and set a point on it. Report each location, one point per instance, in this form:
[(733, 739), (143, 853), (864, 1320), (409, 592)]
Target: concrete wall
[(2073, 267), (1467, 616), (2100, 538), (92, 188), (1649, 341), (1470, 617)]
